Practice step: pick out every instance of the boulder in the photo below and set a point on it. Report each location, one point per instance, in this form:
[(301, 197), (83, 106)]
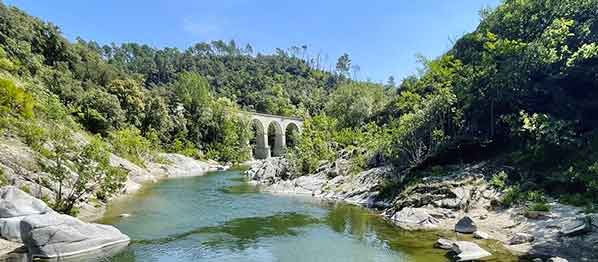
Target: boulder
[(466, 225), (557, 259), (444, 243), (579, 228), (269, 171), (180, 166), (14, 206), (467, 251), (54, 235), (16, 203), (481, 235), (410, 218), (520, 238)]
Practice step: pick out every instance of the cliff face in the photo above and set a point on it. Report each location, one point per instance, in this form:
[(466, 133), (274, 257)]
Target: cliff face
[(440, 203)]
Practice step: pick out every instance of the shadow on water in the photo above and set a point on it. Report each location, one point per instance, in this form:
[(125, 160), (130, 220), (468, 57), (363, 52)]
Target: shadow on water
[(243, 231), (243, 188)]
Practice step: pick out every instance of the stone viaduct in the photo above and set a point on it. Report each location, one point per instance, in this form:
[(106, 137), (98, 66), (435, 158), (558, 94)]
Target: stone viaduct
[(272, 132)]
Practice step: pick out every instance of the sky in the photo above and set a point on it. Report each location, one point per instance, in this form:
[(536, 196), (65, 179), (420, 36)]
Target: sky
[(383, 37)]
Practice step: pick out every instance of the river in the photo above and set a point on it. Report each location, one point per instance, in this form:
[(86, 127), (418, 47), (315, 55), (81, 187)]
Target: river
[(220, 217)]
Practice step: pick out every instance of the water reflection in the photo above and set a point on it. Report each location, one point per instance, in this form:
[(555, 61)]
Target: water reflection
[(220, 217)]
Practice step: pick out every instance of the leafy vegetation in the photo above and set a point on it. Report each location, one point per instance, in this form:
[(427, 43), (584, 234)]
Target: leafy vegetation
[(522, 85), (521, 89)]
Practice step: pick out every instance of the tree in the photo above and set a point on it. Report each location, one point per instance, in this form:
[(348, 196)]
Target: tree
[(343, 64), (131, 96), (354, 103), (79, 174), (100, 112), (390, 83)]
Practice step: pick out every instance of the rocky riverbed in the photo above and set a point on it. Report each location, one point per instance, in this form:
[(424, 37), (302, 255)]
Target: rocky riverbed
[(461, 201), (20, 204)]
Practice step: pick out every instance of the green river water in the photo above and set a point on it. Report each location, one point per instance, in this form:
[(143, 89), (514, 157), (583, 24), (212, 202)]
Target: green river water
[(220, 217)]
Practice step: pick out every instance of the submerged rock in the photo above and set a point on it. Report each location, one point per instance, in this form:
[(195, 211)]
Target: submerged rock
[(467, 251), (444, 243), (466, 225), (54, 235)]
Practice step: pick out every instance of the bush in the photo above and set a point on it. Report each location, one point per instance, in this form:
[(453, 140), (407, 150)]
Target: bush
[(130, 144), (100, 112), (314, 145), (15, 100), (3, 179), (185, 148), (33, 134), (539, 206), (91, 164), (499, 181)]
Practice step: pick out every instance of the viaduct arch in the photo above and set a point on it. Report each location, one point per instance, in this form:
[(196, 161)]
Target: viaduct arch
[(273, 133)]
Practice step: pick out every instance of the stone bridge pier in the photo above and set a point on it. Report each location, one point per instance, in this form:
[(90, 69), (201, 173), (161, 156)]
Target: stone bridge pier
[(273, 133)]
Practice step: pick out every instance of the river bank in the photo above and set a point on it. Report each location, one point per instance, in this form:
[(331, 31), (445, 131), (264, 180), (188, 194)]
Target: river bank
[(20, 168), (439, 203)]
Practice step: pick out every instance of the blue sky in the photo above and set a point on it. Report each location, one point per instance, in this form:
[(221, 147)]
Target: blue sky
[(381, 36)]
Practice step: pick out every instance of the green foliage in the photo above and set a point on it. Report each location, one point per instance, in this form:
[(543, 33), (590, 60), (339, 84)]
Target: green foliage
[(100, 112), (32, 133), (499, 181), (354, 104), (314, 145), (419, 135), (15, 100), (130, 144), (185, 148), (131, 98), (535, 200), (25, 188), (3, 179), (78, 173)]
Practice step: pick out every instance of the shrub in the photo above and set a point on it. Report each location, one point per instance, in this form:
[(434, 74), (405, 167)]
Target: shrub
[(184, 147), (512, 195), (499, 181), (539, 206), (91, 164), (314, 144), (25, 188), (33, 134), (129, 144), (3, 179), (15, 100)]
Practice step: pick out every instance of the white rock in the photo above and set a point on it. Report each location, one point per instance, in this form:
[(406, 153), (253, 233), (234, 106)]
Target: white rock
[(444, 243), (54, 235), (467, 251), (557, 259), (414, 218), (14, 206), (16, 203), (481, 235)]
